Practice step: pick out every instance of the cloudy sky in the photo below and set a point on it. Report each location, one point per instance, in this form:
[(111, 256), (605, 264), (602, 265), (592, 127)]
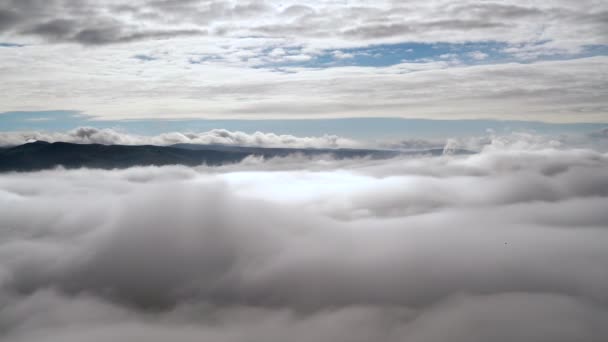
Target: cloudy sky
[(70, 63), (505, 243)]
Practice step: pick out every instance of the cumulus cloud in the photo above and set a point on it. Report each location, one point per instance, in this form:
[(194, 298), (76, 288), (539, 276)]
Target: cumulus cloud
[(508, 244), (91, 135)]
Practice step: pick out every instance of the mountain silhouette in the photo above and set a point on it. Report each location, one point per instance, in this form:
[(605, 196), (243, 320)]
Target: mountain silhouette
[(42, 155)]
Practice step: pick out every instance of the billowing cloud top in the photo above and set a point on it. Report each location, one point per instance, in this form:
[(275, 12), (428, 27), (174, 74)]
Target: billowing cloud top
[(505, 245), (530, 60)]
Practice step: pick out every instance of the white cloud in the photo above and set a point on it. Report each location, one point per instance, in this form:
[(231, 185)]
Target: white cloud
[(297, 58), (478, 55), (416, 248), (342, 55), (90, 135), (448, 56), (278, 52)]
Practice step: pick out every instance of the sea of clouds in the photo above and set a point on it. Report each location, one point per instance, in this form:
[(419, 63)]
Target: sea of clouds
[(508, 244)]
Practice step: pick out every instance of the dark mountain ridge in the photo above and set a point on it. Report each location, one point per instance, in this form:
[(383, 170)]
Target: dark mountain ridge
[(42, 155)]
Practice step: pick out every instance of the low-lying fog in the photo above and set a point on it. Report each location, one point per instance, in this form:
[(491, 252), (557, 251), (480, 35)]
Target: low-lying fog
[(506, 245)]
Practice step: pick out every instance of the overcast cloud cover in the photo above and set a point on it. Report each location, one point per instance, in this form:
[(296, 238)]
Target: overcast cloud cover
[(523, 60), (505, 245)]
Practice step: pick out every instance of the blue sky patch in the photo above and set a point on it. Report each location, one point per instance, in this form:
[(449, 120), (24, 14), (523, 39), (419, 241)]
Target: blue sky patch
[(386, 55), (8, 45), (392, 54), (356, 128)]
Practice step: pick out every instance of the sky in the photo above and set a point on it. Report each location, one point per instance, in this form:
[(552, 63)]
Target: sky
[(200, 65)]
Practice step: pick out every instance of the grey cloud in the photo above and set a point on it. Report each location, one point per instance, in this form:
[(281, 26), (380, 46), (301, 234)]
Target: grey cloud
[(389, 30), (601, 134), (38, 13), (55, 29), (412, 21), (7, 19), (379, 31), (196, 10), (250, 9), (104, 33), (82, 22), (455, 24), (496, 10), (112, 35), (226, 254), (167, 4), (574, 319), (98, 35), (297, 10), (425, 22)]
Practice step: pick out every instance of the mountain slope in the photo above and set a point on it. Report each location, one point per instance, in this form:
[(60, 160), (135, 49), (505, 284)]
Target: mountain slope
[(43, 155)]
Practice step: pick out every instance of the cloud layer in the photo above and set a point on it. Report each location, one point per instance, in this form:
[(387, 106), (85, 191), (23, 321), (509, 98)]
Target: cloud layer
[(91, 135), (111, 84), (505, 245), (95, 23), (245, 59)]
